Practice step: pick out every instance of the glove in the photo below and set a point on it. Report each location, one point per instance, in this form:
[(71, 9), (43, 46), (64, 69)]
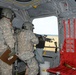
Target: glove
[(12, 53)]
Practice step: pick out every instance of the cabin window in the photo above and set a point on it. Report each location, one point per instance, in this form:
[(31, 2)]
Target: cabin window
[(47, 26)]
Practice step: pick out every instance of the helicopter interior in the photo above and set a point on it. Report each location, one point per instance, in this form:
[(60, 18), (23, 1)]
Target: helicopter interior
[(64, 10)]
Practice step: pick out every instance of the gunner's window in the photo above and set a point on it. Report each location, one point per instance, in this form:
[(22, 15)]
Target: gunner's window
[(47, 27)]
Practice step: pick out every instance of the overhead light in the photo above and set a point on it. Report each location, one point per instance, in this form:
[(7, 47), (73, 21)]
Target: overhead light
[(23, 0), (35, 6)]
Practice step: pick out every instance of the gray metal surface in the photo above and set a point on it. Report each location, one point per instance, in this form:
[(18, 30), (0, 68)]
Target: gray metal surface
[(40, 8), (63, 9), (44, 7)]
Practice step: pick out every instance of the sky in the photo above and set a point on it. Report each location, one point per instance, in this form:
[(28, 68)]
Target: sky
[(47, 25)]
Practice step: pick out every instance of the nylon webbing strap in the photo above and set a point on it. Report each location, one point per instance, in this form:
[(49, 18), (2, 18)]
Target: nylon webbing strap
[(64, 24), (74, 28), (69, 34)]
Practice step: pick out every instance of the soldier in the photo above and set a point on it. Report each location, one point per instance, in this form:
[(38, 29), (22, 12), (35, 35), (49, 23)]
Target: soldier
[(6, 39), (26, 41)]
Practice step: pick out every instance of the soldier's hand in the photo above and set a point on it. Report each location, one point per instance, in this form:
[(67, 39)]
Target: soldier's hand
[(12, 53)]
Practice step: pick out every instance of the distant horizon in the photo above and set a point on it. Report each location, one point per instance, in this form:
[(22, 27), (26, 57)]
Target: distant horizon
[(48, 34)]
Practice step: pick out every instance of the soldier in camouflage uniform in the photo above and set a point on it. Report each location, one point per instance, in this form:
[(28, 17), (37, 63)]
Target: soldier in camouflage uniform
[(6, 39), (26, 41)]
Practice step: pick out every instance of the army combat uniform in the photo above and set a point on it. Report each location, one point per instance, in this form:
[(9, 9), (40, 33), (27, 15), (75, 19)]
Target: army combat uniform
[(6, 40), (26, 41)]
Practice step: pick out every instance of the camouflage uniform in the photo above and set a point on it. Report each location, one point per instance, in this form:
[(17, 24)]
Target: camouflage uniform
[(26, 40), (6, 40)]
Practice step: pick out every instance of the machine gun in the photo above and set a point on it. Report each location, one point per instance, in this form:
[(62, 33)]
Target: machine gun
[(43, 38), (49, 40)]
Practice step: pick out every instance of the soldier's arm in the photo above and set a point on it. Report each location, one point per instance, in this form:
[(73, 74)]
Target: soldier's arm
[(8, 36), (34, 39)]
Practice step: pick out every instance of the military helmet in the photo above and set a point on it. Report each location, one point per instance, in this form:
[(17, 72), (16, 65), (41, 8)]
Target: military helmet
[(7, 13), (28, 26)]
